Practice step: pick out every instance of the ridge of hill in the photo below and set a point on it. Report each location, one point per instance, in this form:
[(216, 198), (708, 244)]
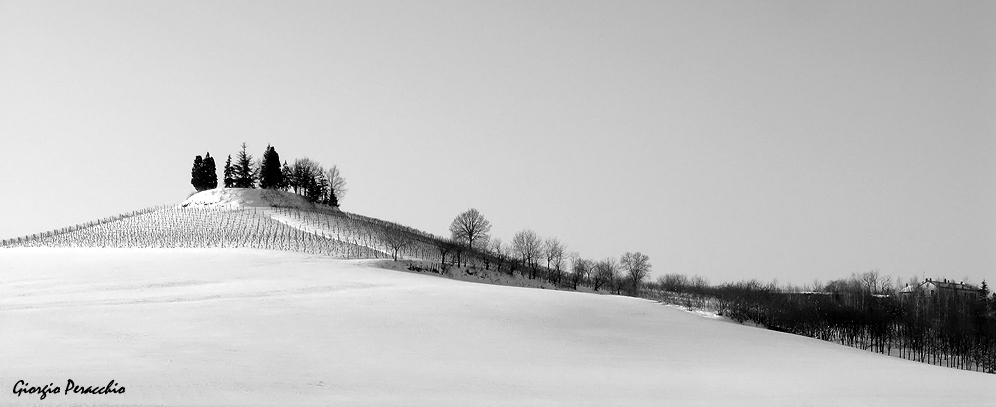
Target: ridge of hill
[(240, 218)]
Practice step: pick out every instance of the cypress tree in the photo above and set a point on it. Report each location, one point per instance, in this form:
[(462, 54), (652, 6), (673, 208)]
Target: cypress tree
[(210, 172), (270, 175), (196, 174), (229, 173)]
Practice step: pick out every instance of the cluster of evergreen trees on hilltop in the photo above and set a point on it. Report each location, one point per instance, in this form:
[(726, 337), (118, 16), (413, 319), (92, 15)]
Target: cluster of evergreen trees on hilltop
[(305, 177), (204, 174)]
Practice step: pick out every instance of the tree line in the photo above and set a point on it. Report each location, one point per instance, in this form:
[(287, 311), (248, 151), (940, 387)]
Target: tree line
[(304, 177), (534, 257), (863, 311)]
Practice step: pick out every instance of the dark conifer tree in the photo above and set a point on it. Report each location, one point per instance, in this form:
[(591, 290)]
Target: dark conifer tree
[(285, 177), (210, 173), (270, 175), (196, 174), (332, 200), (313, 191), (328, 194), (229, 173), (245, 174)]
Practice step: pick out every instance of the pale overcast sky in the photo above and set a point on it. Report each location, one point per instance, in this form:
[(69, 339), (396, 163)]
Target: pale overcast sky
[(735, 140)]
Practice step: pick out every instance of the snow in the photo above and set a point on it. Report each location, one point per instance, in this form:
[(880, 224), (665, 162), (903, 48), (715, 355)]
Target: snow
[(234, 198), (208, 327), (295, 223)]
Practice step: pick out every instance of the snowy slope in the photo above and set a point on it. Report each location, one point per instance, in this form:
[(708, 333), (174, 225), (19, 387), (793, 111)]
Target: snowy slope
[(214, 327), (236, 218), (234, 198), (296, 223)]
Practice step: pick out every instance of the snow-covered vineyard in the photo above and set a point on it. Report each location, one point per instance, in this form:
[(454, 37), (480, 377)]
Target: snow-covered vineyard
[(230, 222)]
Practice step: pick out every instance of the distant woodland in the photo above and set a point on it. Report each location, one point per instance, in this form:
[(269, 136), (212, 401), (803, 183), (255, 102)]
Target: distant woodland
[(948, 327)]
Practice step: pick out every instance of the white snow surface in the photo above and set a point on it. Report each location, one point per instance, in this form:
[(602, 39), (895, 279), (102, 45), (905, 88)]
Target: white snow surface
[(298, 224), (218, 327), (234, 198)]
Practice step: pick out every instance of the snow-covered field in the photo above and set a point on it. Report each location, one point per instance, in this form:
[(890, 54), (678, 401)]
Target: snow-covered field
[(217, 327)]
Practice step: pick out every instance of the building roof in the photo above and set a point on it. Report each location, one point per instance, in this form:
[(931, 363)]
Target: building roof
[(950, 285)]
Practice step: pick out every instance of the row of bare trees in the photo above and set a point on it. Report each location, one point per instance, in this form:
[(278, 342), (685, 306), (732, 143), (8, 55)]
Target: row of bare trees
[(535, 257), (863, 311)]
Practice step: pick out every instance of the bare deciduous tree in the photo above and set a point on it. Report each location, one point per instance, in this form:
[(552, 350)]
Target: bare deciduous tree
[(637, 266), (699, 284), (337, 184), (528, 247), (606, 272), (553, 250), (580, 269), (501, 252), (673, 282), (873, 282), (395, 240), (444, 246), (470, 227)]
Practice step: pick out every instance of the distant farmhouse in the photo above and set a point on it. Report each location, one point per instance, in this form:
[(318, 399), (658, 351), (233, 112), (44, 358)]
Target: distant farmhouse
[(933, 288)]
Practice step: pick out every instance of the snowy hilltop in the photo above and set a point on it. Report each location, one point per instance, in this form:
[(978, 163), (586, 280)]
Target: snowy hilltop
[(236, 198)]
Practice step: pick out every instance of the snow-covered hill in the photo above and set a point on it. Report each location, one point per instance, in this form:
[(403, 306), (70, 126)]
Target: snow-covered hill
[(234, 198), (253, 328), (242, 218)]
